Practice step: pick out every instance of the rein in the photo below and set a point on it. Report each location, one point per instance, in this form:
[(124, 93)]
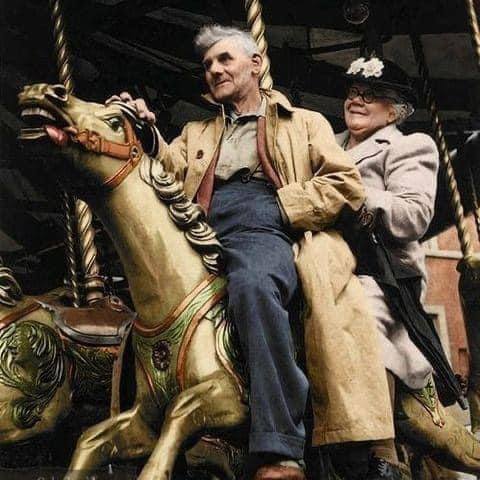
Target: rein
[(131, 151)]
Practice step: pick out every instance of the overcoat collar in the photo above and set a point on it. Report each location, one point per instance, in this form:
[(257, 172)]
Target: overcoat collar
[(373, 145), (274, 99)]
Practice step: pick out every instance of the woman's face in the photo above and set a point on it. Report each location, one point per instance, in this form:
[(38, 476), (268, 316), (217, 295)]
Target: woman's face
[(366, 111)]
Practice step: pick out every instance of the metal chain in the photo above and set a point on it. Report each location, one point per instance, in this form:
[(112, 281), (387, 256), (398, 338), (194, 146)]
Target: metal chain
[(257, 27), (93, 282), (455, 200)]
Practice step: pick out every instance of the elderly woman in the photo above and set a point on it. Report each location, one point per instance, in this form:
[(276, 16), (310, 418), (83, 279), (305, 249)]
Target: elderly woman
[(400, 176)]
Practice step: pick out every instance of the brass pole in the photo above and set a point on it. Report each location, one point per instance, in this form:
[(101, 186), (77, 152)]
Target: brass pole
[(93, 282), (473, 21), (257, 27), (455, 200), (470, 286), (72, 277)]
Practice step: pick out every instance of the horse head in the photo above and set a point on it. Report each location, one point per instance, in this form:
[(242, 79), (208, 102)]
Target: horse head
[(97, 145)]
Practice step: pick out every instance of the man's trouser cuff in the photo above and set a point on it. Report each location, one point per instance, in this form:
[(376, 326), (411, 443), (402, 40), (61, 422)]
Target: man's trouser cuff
[(278, 443)]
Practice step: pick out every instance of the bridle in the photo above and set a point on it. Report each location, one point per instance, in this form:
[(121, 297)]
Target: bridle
[(131, 151)]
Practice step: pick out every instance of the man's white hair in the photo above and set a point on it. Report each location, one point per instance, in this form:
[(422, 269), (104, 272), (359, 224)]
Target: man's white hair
[(211, 34)]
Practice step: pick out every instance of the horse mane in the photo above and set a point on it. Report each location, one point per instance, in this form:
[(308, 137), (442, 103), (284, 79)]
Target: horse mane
[(188, 216), (10, 290), (45, 353)]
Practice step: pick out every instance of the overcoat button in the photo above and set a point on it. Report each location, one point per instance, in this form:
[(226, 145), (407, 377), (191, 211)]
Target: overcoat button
[(199, 154)]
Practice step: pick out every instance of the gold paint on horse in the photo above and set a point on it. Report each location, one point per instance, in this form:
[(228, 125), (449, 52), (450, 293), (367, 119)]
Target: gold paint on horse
[(42, 369), (162, 269), (181, 363)]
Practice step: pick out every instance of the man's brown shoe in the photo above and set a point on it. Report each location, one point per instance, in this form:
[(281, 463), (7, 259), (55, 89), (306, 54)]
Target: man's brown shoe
[(279, 472)]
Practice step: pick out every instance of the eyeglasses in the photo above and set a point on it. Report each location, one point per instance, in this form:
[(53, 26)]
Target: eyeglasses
[(368, 95)]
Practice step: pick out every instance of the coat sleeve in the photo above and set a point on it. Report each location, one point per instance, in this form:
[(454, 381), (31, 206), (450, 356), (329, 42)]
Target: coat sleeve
[(174, 155), (316, 204), (406, 206)]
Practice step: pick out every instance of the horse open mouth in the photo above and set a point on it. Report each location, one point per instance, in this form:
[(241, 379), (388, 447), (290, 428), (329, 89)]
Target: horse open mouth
[(43, 123)]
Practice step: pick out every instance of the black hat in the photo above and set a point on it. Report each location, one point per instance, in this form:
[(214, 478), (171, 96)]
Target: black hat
[(380, 72)]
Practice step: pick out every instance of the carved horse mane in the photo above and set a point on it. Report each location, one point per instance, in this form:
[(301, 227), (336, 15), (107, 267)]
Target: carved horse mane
[(188, 216)]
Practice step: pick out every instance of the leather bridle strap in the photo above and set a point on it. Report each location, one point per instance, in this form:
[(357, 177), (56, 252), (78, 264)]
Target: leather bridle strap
[(131, 151)]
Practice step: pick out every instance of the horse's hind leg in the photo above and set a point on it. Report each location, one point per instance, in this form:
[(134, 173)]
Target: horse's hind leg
[(125, 436), (446, 440), (214, 403)]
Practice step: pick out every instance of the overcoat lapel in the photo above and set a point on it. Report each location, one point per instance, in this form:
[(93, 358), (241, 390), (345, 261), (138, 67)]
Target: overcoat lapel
[(374, 145)]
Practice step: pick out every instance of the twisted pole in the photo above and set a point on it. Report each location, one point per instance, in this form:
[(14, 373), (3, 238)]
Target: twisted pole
[(473, 21), (471, 287), (93, 282), (257, 27), (72, 276), (455, 200)]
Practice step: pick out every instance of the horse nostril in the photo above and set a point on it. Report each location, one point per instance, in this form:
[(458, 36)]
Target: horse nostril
[(59, 92)]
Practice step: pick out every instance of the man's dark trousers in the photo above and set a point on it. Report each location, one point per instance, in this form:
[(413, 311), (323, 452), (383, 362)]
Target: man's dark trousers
[(262, 280)]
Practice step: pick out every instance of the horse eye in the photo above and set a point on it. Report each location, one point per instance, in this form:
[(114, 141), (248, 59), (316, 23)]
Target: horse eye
[(115, 123)]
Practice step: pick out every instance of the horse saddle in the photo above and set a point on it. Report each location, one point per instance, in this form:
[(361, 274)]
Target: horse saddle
[(102, 323)]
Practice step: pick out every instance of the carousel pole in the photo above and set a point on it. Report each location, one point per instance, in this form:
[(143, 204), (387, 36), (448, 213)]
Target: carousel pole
[(473, 21), (469, 266), (471, 301), (438, 135), (257, 26), (93, 282)]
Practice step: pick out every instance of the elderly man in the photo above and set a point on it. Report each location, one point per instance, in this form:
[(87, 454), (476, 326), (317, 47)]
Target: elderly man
[(263, 170)]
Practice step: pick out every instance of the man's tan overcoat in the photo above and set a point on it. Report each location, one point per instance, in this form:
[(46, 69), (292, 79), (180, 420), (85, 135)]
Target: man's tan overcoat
[(347, 376)]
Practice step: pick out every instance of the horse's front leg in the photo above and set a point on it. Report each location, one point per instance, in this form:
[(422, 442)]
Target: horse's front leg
[(125, 436), (214, 403)]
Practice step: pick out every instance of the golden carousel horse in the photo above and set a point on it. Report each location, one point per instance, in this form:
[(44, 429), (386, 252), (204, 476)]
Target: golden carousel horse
[(53, 356), (187, 383)]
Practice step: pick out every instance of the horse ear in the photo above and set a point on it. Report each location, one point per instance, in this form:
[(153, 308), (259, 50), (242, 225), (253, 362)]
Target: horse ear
[(144, 131)]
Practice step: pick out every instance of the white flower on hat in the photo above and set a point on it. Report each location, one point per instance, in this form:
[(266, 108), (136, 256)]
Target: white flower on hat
[(356, 66), (373, 68), (367, 68)]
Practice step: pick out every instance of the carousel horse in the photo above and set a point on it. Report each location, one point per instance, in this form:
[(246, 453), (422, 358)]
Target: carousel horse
[(52, 357), (187, 377)]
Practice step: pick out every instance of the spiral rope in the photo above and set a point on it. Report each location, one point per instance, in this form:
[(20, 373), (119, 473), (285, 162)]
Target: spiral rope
[(93, 282), (455, 200), (257, 27)]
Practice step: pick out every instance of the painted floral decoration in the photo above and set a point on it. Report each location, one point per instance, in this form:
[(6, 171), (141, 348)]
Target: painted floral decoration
[(367, 68)]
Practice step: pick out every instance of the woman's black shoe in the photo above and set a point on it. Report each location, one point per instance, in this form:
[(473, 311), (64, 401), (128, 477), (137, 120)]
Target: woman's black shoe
[(380, 469)]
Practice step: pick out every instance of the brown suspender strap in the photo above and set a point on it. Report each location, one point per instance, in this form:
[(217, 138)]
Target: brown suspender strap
[(205, 190), (268, 170)]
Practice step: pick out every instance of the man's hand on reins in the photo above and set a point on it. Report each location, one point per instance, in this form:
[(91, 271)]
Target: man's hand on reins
[(144, 113)]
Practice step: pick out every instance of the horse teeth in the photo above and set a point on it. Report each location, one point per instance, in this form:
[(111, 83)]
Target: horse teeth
[(37, 111)]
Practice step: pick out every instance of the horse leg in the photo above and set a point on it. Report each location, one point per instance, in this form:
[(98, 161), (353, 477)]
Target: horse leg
[(217, 455), (424, 423), (125, 436), (214, 403)]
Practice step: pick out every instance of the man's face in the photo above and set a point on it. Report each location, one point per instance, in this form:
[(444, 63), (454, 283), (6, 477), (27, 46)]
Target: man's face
[(229, 72)]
